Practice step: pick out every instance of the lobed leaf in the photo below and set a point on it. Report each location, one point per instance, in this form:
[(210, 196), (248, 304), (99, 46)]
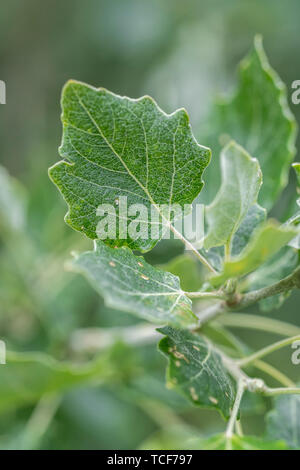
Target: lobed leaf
[(130, 284), (259, 118), (196, 370), (266, 242), (241, 181), (114, 146)]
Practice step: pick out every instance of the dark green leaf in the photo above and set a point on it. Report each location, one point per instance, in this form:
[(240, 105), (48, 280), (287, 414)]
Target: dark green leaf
[(196, 370), (114, 146)]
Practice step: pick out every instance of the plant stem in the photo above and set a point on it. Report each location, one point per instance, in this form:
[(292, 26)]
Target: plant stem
[(205, 295), (286, 284), (40, 420), (256, 322), (241, 301), (229, 430), (272, 392), (211, 312), (267, 350), (227, 250), (239, 429)]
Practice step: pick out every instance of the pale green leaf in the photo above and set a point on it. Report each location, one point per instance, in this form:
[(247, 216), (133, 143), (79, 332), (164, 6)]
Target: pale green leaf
[(275, 269), (258, 117), (295, 222), (241, 181), (196, 370), (27, 377), (265, 243), (283, 422), (255, 216), (130, 284), (220, 442), (114, 146)]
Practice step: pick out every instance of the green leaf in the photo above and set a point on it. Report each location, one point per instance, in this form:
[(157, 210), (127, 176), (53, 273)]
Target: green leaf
[(29, 376), (220, 442), (283, 422), (257, 116), (275, 269), (196, 370), (295, 219), (255, 216), (130, 284), (187, 269), (266, 242), (114, 146), (241, 181)]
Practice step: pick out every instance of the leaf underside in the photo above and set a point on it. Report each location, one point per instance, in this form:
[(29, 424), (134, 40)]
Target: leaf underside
[(130, 284), (196, 370), (241, 181), (266, 242)]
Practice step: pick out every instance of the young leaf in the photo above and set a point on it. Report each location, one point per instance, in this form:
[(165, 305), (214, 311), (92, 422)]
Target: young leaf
[(255, 216), (267, 241), (130, 284), (196, 370), (241, 181), (283, 422), (220, 442), (294, 221), (258, 117), (114, 146), (27, 377), (275, 269)]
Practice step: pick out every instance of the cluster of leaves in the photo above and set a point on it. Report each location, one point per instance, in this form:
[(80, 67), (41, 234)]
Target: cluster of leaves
[(114, 146)]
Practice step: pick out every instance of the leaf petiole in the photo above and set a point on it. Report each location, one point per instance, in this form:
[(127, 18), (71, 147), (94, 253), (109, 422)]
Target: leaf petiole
[(233, 418)]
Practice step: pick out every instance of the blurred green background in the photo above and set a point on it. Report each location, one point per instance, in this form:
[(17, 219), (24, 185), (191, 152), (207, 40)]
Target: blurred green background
[(182, 53)]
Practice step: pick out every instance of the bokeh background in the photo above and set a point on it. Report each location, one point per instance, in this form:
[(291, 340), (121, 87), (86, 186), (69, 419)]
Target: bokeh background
[(182, 53)]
